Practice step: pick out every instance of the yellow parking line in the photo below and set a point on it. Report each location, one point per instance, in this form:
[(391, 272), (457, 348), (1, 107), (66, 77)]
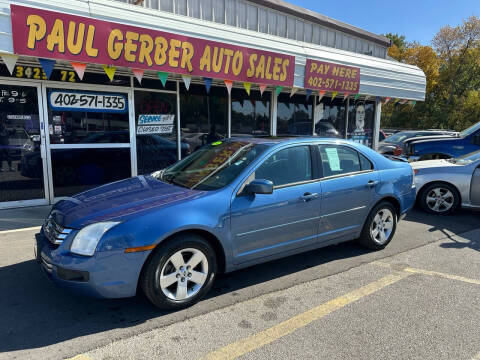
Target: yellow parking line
[(17, 230), (286, 327), (431, 273), (80, 357)]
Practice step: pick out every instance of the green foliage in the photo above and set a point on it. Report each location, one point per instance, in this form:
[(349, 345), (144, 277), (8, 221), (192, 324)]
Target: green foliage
[(452, 68), (397, 40)]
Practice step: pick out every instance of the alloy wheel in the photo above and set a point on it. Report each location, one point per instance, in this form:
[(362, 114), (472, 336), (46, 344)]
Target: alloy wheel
[(382, 226), (184, 274), (440, 199)]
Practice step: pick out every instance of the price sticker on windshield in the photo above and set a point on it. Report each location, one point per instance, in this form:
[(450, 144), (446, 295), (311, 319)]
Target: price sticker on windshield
[(62, 100)]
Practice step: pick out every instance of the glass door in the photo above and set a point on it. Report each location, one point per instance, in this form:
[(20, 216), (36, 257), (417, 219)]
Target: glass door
[(88, 137), (22, 146)]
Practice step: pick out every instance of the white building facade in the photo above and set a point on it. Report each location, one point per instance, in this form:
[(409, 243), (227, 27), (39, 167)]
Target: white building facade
[(71, 120)]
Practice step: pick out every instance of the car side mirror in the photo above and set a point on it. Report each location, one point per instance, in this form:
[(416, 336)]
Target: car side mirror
[(260, 186)]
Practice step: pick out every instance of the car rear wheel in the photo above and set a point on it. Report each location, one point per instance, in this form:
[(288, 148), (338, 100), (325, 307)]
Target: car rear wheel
[(380, 226), (180, 272), (439, 198)]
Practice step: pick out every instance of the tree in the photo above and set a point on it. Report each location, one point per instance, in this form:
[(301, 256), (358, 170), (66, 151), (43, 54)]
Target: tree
[(452, 69)]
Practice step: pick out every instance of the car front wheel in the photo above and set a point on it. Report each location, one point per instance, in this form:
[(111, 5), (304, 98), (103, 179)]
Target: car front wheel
[(380, 226), (439, 198), (179, 273)]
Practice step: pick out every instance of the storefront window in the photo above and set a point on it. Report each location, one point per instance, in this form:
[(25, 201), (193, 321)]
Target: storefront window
[(87, 117), (361, 119), (155, 84), (156, 128), (250, 114), (77, 170), (203, 116), (21, 166), (294, 114), (330, 118)]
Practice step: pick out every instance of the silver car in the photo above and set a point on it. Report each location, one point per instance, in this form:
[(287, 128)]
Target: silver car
[(444, 185)]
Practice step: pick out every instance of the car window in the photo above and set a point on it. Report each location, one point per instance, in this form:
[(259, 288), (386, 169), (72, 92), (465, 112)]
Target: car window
[(19, 134), (365, 164), (338, 160), (213, 166), (287, 166)]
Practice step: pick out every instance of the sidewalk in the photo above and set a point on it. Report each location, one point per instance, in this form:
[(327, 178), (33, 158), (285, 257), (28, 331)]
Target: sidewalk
[(20, 218)]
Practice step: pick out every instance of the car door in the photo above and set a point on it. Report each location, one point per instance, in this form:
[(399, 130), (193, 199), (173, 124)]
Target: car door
[(348, 190), (267, 224), (475, 187)]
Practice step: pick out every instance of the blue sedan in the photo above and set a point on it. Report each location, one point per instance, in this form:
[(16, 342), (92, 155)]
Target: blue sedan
[(229, 205)]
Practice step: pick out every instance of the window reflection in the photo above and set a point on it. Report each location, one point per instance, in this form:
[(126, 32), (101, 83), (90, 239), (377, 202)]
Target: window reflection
[(71, 124), (294, 114), (330, 118), (21, 167), (361, 116), (76, 170), (204, 116), (156, 128), (250, 114)]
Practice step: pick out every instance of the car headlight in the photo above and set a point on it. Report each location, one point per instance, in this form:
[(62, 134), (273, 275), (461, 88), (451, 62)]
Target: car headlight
[(86, 240)]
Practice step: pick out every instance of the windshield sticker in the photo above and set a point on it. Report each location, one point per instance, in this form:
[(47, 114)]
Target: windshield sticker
[(333, 159)]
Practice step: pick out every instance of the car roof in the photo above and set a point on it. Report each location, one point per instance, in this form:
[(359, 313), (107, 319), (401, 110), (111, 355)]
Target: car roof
[(274, 140)]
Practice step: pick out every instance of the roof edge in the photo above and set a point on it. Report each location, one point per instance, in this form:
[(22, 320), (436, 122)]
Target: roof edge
[(320, 19)]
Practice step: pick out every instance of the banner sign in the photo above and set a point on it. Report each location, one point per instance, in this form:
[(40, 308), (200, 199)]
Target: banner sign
[(324, 76), (53, 35), (70, 100)]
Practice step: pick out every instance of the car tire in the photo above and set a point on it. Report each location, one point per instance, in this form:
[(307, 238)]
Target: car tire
[(439, 199), (380, 226), (167, 279)]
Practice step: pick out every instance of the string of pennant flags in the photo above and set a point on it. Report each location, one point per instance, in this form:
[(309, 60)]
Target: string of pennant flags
[(48, 66)]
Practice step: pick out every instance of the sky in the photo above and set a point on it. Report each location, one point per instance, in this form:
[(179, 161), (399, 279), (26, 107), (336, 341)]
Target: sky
[(418, 20)]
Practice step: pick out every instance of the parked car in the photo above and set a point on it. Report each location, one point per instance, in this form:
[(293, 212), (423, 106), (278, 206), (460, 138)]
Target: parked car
[(443, 146), (381, 135), (229, 205), (393, 145), (445, 185)]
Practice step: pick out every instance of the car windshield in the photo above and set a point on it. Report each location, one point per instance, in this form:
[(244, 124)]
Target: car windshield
[(466, 159), (213, 166), (470, 130)]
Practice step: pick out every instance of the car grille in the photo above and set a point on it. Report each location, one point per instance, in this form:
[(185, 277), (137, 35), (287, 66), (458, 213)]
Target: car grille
[(54, 232)]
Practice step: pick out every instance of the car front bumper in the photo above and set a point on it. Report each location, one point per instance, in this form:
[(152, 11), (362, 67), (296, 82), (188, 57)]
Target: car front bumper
[(108, 274)]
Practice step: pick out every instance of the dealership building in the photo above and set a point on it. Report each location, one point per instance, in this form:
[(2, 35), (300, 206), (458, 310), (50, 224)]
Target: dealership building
[(93, 91)]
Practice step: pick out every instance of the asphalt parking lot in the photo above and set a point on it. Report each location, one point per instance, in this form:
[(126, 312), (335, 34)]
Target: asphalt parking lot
[(417, 299)]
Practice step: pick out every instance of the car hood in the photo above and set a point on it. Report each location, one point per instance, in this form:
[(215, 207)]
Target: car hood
[(430, 138), (119, 201), (386, 145), (431, 164)]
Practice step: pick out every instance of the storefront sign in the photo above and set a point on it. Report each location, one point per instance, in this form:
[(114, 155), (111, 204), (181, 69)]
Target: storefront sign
[(54, 35), (156, 119), (87, 101), (154, 129), (8, 96), (320, 75)]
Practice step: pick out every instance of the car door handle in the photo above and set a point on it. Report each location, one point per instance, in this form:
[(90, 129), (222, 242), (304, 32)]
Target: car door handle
[(308, 196), (372, 183)]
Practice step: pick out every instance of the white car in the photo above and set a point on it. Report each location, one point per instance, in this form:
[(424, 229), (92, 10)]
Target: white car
[(445, 185)]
